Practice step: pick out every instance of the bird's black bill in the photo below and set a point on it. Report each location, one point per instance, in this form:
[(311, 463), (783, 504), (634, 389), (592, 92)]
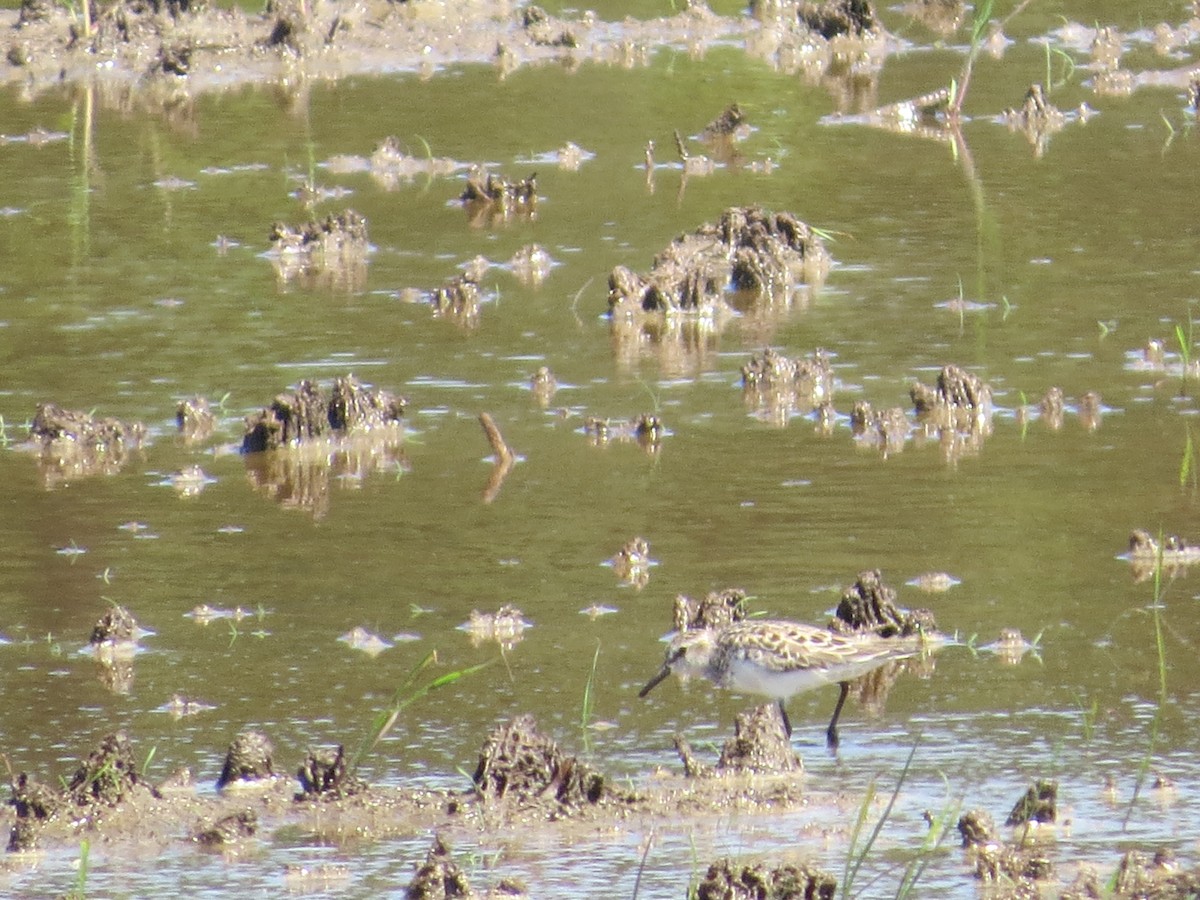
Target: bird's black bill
[(654, 682)]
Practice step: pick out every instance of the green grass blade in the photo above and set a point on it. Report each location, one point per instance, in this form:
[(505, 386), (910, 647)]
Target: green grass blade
[(405, 696)]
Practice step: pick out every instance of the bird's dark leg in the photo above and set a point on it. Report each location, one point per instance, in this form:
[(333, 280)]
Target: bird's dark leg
[(787, 723), (831, 735)]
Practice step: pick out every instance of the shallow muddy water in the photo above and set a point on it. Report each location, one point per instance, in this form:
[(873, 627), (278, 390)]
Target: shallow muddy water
[(116, 295)]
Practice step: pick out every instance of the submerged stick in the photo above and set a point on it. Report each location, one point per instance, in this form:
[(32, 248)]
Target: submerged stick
[(504, 457)]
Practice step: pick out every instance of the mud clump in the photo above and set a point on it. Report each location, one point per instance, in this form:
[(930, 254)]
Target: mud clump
[(870, 605), (1036, 118), (543, 384), (1038, 804), (886, 429), (489, 196), (520, 765), (717, 610), (390, 165), (458, 300), (107, 778), (958, 396), (72, 443), (230, 829), (754, 250), (730, 125), (506, 626), (1145, 552), (1050, 407), (323, 776), (1018, 865), (725, 881), (760, 744), (957, 411), (645, 430), (631, 564), (439, 877), (330, 253), (195, 418), (248, 760), (976, 827), (778, 385), (34, 803), (117, 626), (336, 235), (310, 413), (833, 18), (1157, 876)]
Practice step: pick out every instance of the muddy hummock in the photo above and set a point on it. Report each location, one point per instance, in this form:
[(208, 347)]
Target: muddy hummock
[(248, 760), (544, 385), (1038, 804), (833, 18), (726, 880), (323, 776), (117, 626), (390, 166), (748, 248), (458, 300), (441, 878), (521, 766), (312, 413), (1050, 407), (522, 780), (72, 444), (231, 829), (730, 125), (870, 605), (1036, 118), (107, 778), (631, 563), (960, 398), (331, 252), (489, 197), (760, 746), (775, 385), (506, 626), (956, 411), (1155, 876), (884, 429), (645, 430), (1145, 552), (195, 419), (716, 610)]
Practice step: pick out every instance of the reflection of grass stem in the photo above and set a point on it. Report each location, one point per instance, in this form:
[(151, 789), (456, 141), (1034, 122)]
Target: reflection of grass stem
[(79, 889), (855, 860), (1160, 706), (637, 881), (1185, 340), (589, 696), (1088, 717), (1187, 466), (939, 829)]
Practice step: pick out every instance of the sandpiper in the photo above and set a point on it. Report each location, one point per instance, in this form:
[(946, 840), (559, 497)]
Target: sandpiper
[(778, 659)]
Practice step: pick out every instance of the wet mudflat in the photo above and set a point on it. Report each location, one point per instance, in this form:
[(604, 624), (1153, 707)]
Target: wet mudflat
[(303, 220)]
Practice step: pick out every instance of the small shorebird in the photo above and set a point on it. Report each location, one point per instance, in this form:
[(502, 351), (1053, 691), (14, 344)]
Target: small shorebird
[(778, 659)]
